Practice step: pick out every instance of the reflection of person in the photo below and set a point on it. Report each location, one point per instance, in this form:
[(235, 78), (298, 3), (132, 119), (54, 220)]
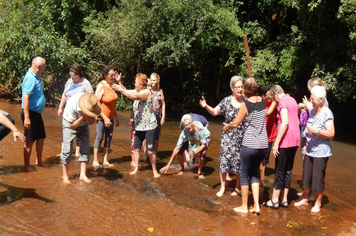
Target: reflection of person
[(319, 133), (271, 127), (230, 141), (7, 124), (75, 84), (33, 104), (198, 138), (105, 122), (145, 119), (285, 146), (254, 143), (78, 114)]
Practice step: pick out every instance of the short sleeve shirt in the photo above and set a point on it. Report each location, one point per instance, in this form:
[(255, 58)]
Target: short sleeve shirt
[(71, 88), (32, 85), (316, 145), (72, 111), (196, 139)]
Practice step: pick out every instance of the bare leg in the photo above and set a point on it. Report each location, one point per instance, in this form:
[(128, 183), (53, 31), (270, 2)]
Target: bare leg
[(96, 154), (39, 150), (152, 156), (65, 173), (181, 162), (201, 165), (132, 159), (145, 154), (304, 201), (317, 205), (262, 173), (275, 195), (83, 172), (244, 193), (27, 154), (136, 158), (228, 178), (77, 151), (256, 193), (106, 154), (237, 190), (222, 184), (285, 195)]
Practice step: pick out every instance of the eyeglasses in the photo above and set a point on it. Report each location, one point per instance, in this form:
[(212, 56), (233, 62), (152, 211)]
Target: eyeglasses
[(238, 87)]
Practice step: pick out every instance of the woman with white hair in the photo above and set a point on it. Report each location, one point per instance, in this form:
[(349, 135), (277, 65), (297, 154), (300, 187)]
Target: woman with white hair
[(198, 137), (231, 140), (320, 132)]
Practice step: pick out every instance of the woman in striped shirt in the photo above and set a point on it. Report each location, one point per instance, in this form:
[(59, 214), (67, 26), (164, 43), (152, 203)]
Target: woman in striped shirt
[(254, 144)]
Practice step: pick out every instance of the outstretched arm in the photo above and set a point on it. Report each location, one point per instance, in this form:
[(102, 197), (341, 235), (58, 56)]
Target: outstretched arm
[(166, 167), (213, 111)]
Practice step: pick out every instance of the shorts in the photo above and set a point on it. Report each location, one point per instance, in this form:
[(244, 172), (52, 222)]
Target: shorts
[(140, 136), (158, 131), (37, 129)]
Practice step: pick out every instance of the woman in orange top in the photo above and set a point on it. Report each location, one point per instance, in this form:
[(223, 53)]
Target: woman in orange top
[(105, 122)]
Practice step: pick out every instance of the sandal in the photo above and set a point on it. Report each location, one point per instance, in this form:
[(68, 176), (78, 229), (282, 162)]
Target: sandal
[(284, 204), (275, 205)]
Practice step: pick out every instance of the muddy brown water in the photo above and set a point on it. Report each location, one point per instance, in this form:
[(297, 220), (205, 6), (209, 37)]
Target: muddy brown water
[(115, 203)]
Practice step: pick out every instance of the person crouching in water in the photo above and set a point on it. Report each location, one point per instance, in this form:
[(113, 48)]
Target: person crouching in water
[(79, 113), (198, 138)]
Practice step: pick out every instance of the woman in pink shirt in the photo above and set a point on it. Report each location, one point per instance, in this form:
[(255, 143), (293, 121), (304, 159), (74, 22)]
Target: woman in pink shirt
[(285, 146)]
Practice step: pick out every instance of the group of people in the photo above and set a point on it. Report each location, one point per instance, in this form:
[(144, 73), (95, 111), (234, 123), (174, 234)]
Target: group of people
[(249, 132)]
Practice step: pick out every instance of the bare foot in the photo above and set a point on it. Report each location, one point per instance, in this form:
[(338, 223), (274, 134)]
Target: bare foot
[(134, 172), (255, 210), (27, 168), (228, 178), (303, 202), (221, 192), (315, 209), (240, 209), (85, 179), (156, 175), (66, 180), (236, 192), (42, 164)]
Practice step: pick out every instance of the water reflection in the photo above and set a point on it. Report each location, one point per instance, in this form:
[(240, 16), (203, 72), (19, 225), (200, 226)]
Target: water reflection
[(116, 203)]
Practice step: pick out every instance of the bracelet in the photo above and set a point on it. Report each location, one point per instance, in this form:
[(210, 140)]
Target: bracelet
[(16, 130)]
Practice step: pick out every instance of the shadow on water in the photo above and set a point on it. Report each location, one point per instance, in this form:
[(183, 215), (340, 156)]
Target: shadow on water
[(13, 194)]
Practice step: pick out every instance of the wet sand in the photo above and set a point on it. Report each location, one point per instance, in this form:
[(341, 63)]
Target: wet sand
[(115, 203)]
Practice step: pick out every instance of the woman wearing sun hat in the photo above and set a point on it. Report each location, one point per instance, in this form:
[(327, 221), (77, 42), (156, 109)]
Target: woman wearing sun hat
[(79, 113)]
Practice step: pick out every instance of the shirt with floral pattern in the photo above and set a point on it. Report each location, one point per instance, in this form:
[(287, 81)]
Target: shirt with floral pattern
[(144, 116), (195, 140)]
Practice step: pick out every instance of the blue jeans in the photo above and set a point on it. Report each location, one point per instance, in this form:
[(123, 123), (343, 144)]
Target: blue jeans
[(250, 163)]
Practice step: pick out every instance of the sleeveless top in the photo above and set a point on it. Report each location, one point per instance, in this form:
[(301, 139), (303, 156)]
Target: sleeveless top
[(157, 103), (255, 122), (108, 102), (144, 115)]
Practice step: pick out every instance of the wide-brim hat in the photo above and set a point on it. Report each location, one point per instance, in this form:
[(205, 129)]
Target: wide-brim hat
[(89, 104)]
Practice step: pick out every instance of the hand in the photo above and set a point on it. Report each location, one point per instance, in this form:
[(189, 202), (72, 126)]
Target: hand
[(117, 122), (305, 100), (191, 154), (84, 116), (162, 121), (117, 77), (19, 135), (312, 130), (304, 149), (27, 123), (164, 169), (117, 87), (225, 128), (107, 122), (202, 102), (275, 150), (60, 112), (301, 106)]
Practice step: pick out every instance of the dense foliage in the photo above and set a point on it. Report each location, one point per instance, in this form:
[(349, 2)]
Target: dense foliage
[(196, 46)]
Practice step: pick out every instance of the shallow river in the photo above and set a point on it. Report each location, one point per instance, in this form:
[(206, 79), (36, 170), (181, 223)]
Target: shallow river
[(115, 203)]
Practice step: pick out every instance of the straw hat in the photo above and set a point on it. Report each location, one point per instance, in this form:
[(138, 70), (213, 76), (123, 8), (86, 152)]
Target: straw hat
[(89, 104)]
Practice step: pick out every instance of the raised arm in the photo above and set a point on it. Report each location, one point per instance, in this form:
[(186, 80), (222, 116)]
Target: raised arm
[(213, 111)]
